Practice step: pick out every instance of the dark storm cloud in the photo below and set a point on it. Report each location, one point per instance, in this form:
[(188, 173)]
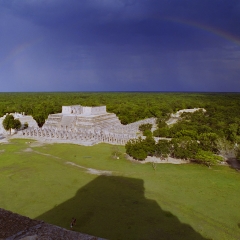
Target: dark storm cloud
[(166, 45), (134, 21)]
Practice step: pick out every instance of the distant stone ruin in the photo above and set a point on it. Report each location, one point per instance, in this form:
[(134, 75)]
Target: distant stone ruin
[(177, 116), (22, 118), (86, 126)]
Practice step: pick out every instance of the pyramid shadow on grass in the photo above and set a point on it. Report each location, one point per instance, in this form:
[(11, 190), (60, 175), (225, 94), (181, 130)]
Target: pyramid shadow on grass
[(115, 207)]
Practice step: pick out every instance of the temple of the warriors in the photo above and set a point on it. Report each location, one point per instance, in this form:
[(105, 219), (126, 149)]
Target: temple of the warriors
[(85, 118), (86, 126)]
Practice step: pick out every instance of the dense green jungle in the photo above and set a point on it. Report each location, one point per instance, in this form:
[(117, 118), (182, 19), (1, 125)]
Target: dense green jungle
[(223, 108)]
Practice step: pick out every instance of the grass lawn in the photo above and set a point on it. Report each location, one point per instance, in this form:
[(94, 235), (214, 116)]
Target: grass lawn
[(122, 199)]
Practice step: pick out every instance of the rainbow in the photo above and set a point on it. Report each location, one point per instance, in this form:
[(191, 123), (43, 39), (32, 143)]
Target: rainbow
[(18, 50), (224, 34)]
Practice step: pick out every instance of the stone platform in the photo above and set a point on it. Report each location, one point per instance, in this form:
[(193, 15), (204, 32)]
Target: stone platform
[(16, 227)]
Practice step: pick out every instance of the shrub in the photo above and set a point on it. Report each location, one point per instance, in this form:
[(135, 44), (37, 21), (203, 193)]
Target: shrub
[(207, 158)]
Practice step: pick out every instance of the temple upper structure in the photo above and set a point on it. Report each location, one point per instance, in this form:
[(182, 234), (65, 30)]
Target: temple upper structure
[(79, 117), (78, 109)]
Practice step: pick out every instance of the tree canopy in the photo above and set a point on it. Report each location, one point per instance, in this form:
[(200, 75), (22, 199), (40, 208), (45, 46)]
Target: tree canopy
[(221, 109)]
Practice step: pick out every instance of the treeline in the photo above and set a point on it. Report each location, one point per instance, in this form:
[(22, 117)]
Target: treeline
[(181, 148), (223, 109)]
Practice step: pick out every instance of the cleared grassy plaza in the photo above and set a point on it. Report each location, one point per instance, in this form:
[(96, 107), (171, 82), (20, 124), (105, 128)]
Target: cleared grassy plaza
[(116, 198)]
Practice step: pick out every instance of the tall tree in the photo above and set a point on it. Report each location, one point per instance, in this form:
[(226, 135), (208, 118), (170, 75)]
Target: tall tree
[(8, 123)]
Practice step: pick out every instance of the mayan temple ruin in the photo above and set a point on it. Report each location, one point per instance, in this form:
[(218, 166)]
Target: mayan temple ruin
[(84, 125)]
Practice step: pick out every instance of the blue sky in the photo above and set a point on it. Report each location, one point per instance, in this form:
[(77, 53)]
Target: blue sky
[(120, 45)]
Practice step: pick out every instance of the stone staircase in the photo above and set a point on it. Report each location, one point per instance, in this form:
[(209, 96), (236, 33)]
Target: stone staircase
[(67, 120)]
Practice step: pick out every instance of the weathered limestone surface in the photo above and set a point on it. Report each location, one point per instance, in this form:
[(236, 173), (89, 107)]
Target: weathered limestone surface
[(16, 227), (85, 126)]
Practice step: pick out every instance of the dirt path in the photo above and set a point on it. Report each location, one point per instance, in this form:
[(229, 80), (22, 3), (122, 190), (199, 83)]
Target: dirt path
[(89, 170), (92, 170)]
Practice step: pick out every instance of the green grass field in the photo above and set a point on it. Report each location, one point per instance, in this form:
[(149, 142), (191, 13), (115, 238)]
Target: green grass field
[(132, 201)]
